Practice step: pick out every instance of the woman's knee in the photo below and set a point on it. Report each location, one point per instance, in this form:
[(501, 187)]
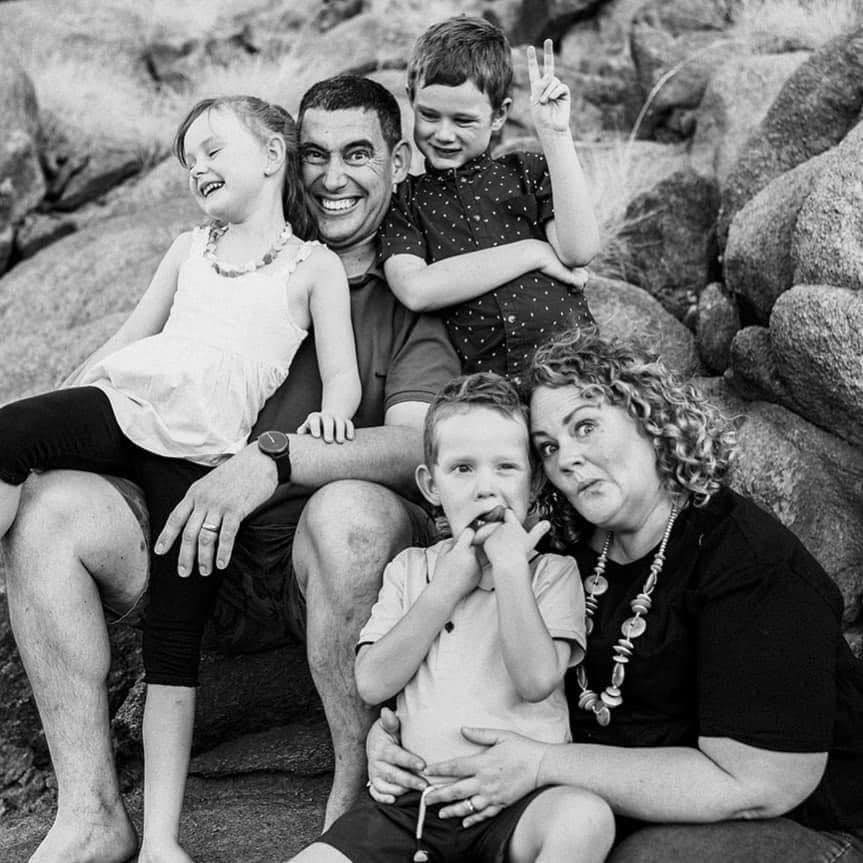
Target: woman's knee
[(578, 818)]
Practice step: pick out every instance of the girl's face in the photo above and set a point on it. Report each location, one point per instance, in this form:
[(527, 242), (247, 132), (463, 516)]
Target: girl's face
[(597, 455), (228, 165)]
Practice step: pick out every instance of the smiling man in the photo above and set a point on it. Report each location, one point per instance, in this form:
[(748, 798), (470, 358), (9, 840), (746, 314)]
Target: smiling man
[(319, 521)]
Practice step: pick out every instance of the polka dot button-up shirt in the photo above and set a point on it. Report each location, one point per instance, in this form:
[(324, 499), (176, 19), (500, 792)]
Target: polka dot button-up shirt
[(486, 203)]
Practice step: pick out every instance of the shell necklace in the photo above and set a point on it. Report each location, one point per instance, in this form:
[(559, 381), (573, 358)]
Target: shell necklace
[(596, 584), (218, 230)]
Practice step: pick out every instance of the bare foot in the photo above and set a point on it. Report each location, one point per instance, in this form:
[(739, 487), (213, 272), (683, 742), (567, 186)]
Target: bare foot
[(163, 852), (109, 838)]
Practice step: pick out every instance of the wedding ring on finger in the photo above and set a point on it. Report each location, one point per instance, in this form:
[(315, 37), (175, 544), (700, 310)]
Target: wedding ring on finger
[(213, 528), (471, 806)]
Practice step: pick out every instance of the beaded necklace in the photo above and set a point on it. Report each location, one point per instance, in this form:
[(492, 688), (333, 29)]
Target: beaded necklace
[(218, 230), (596, 584)]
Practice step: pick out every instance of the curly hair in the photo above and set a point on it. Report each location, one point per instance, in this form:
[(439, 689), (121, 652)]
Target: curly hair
[(694, 443)]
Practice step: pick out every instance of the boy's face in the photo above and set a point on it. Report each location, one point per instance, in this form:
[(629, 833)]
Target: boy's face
[(482, 462), (453, 125)]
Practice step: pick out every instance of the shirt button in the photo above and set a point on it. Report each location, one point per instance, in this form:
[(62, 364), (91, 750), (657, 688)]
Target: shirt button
[(510, 319)]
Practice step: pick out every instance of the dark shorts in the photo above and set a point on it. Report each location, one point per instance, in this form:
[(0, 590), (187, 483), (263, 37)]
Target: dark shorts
[(372, 832), (261, 603)]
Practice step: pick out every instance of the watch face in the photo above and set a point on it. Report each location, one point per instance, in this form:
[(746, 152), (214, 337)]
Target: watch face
[(273, 442)]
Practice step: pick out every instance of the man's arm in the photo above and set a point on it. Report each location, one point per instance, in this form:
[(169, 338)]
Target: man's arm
[(573, 233), (385, 454), (426, 287)]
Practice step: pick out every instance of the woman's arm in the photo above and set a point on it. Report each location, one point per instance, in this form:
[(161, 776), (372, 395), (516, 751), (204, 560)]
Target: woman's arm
[(150, 314), (385, 667), (733, 780), (330, 311)]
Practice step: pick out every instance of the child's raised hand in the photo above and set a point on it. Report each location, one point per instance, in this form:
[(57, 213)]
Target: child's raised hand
[(324, 425), (549, 96), (506, 541)]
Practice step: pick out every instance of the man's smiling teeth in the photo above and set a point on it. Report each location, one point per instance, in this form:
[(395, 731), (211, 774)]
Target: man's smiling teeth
[(338, 205), (209, 188)]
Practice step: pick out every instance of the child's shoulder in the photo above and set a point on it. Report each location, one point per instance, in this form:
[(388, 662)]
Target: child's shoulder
[(552, 566)]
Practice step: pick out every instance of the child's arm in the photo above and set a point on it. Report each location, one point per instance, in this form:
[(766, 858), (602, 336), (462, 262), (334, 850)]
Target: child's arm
[(149, 315), (426, 287), (330, 311), (384, 668), (536, 662), (573, 231)]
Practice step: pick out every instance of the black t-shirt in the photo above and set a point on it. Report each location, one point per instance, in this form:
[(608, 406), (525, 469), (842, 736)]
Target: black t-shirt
[(744, 640)]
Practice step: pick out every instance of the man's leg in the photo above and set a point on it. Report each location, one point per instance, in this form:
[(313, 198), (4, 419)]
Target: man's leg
[(347, 534), (74, 534)]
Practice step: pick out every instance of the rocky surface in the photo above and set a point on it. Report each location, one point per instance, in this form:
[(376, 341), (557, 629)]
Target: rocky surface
[(86, 212)]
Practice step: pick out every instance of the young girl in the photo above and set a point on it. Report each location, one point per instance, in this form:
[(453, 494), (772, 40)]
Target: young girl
[(179, 386)]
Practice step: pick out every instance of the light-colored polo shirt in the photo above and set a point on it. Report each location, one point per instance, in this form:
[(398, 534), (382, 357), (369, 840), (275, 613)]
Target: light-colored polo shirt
[(463, 680)]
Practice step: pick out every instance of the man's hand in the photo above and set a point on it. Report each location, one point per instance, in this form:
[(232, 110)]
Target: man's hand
[(210, 513), (549, 96)]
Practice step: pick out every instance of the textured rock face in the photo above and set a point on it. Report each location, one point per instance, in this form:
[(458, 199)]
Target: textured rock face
[(758, 262), (717, 323), (811, 480), (827, 246), (816, 332), (814, 111), (736, 99), (625, 311), (668, 239)]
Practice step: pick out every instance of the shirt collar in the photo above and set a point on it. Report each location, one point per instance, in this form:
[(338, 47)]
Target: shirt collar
[(468, 169), (374, 271)]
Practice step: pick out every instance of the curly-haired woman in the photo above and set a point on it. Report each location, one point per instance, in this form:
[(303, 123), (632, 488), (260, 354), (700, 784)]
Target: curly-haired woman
[(718, 710)]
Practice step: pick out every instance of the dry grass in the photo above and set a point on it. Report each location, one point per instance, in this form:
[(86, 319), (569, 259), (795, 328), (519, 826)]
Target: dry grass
[(806, 23)]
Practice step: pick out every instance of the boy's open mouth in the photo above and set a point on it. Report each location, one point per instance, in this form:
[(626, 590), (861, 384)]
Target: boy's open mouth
[(208, 188), (493, 515)]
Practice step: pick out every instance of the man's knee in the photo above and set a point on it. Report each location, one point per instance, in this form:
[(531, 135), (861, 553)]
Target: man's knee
[(349, 530)]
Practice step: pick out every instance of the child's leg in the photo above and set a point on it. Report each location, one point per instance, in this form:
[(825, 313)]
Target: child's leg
[(563, 824), (72, 428), (176, 615)]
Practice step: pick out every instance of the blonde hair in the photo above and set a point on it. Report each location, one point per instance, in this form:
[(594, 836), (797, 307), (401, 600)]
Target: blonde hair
[(694, 443)]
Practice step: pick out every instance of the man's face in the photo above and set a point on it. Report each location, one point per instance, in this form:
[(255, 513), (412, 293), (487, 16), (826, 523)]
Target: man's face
[(348, 171)]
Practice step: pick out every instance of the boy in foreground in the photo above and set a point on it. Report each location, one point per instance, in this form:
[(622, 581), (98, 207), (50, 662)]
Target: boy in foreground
[(477, 630), (490, 241)]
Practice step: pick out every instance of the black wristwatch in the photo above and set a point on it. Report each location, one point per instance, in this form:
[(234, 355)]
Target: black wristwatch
[(277, 446)]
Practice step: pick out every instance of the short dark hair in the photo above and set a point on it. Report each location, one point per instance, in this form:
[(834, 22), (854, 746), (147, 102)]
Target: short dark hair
[(344, 92), (479, 390), (463, 49)]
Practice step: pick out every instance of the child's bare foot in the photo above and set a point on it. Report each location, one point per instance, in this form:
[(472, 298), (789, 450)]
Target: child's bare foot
[(107, 838), (166, 851)]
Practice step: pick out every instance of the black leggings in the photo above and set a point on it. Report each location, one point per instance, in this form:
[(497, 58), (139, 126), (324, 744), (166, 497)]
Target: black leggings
[(76, 428)]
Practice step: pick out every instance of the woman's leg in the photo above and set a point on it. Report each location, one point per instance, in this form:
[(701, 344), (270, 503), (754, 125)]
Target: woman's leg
[(563, 824), (775, 840), (72, 428)]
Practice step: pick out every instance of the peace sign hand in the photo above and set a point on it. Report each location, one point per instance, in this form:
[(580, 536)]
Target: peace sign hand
[(549, 96)]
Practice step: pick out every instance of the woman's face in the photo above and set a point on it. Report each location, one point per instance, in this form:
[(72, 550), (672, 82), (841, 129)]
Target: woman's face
[(596, 454)]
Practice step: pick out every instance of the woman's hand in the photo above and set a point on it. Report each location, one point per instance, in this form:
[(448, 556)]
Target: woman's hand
[(392, 770), (486, 783)]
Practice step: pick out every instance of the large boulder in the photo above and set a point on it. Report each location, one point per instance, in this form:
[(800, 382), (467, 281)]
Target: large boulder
[(813, 112), (736, 99), (810, 479), (628, 312), (58, 306), (827, 245), (758, 263), (548, 19), (717, 322), (810, 359), (666, 243)]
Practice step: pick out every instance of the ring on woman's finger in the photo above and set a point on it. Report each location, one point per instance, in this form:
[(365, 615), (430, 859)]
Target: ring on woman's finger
[(470, 806), (214, 528)]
